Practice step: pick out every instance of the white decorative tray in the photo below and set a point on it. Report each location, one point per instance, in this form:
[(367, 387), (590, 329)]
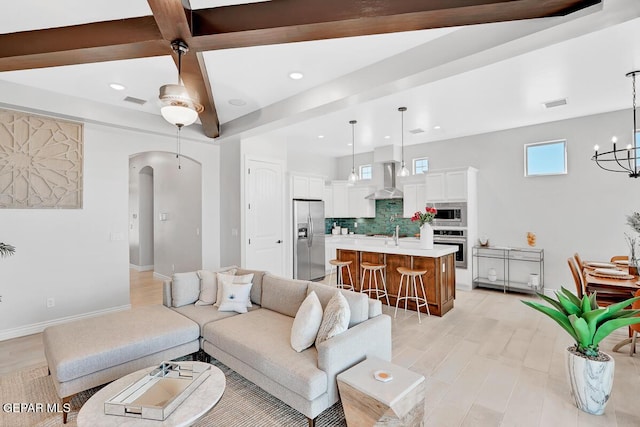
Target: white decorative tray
[(156, 395)]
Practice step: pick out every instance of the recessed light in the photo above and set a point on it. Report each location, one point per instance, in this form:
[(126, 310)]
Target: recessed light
[(320, 136), (436, 127), (349, 144), (296, 75), (387, 136), (117, 86), (237, 102)]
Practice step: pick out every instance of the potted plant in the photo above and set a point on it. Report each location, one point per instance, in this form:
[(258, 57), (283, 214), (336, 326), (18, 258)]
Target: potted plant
[(589, 370), (6, 250)]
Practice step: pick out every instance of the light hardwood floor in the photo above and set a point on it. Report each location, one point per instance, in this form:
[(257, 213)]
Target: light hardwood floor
[(490, 361)]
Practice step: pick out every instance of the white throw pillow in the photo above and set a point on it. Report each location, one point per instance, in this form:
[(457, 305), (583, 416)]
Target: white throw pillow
[(238, 280), (234, 296), (209, 286), (306, 323), (335, 319), (185, 288)]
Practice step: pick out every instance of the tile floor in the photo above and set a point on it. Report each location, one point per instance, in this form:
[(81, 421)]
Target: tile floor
[(490, 361)]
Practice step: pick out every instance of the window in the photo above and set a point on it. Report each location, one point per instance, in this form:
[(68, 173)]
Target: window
[(545, 158), (420, 165), (366, 172)]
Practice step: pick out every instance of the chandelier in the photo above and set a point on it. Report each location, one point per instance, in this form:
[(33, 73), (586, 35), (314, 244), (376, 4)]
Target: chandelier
[(625, 159)]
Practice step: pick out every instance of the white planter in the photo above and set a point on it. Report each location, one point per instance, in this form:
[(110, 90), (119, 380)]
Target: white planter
[(426, 236), (590, 381)]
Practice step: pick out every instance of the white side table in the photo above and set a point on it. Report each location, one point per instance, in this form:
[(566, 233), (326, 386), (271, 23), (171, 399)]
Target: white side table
[(369, 402), (196, 405)]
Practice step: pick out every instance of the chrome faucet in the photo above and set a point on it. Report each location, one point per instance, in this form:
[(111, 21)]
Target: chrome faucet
[(396, 234)]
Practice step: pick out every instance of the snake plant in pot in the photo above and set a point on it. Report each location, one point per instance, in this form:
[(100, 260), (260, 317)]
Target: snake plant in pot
[(589, 370)]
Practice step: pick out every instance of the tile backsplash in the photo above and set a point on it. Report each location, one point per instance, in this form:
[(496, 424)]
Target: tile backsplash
[(381, 224)]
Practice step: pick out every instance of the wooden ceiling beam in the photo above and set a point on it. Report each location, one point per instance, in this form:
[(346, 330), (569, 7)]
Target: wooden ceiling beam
[(287, 21), (79, 44), (172, 20)]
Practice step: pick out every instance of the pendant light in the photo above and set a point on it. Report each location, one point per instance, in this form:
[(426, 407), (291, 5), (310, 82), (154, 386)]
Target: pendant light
[(403, 169), (353, 177), (627, 159), (177, 107)]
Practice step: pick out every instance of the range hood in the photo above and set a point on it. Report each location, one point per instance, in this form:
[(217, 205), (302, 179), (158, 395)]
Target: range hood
[(389, 191)]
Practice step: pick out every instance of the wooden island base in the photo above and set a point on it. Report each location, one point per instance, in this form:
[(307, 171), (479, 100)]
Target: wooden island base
[(439, 281)]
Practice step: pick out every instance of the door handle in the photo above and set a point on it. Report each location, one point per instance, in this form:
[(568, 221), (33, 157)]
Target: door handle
[(279, 241)]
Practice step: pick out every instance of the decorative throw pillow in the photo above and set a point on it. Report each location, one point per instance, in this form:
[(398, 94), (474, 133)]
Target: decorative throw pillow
[(185, 288), (234, 296), (306, 323), (335, 319), (238, 280), (209, 286)]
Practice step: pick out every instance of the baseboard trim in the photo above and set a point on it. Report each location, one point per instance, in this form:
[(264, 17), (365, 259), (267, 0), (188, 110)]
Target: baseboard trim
[(35, 328), (160, 276), (141, 267)]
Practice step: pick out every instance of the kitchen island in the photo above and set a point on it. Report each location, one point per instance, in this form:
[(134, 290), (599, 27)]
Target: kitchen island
[(439, 281)]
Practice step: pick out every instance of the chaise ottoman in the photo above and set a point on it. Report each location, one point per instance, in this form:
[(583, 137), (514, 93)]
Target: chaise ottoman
[(90, 352)]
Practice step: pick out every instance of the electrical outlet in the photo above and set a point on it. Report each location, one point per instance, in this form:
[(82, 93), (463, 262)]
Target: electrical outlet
[(51, 302)]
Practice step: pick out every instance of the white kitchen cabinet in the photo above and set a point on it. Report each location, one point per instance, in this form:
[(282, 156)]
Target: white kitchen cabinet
[(359, 207), (456, 185), (447, 186), (316, 188), (435, 184), (328, 202), (340, 200), (307, 187), (415, 199)]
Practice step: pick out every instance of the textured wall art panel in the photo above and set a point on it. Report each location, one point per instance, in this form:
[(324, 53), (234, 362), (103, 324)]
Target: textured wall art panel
[(40, 162)]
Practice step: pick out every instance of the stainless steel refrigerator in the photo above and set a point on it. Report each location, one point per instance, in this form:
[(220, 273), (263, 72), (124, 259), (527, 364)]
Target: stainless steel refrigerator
[(308, 239)]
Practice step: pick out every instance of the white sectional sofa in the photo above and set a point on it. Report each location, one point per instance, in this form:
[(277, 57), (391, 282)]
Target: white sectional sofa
[(257, 344)]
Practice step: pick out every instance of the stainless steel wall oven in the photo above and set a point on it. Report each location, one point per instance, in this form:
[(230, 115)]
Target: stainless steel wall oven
[(456, 238)]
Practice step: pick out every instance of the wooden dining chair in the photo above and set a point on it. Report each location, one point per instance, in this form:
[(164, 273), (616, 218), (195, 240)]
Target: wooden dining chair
[(580, 265), (577, 277), (619, 258), (634, 330)]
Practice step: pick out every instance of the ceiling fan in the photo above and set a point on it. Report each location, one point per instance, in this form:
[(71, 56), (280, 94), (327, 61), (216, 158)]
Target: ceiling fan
[(252, 24)]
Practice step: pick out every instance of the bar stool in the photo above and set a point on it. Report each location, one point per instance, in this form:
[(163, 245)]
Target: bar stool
[(340, 276), (372, 269), (411, 290)]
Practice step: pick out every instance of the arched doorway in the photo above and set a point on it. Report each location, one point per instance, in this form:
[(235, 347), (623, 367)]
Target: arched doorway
[(165, 211)]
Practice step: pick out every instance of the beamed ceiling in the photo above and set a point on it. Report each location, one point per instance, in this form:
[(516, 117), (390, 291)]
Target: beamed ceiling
[(252, 24)]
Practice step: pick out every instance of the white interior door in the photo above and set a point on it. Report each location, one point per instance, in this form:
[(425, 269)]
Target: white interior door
[(264, 216)]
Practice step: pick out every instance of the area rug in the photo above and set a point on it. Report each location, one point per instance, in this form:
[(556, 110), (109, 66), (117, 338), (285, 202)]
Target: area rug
[(242, 404)]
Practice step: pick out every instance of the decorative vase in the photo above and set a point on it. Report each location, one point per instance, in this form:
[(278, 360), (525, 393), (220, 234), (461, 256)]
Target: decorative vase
[(633, 265), (492, 274), (426, 236), (590, 381)]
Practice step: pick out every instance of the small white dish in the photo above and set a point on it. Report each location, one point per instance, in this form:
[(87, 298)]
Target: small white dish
[(383, 376), (600, 264), (611, 272)]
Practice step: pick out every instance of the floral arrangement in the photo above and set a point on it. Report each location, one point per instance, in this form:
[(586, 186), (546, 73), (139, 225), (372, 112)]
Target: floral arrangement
[(426, 216)]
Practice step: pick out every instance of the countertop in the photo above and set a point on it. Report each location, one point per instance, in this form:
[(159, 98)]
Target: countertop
[(385, 245)]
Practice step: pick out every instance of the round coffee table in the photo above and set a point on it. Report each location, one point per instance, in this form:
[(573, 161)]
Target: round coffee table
[(196, 405)]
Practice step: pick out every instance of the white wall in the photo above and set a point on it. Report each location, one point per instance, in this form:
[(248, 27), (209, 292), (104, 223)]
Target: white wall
[(70, 255), (582, 212), (176, 242), (230, 202)]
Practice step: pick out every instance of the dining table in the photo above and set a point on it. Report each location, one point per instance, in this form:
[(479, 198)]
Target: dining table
[(616, 286)]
